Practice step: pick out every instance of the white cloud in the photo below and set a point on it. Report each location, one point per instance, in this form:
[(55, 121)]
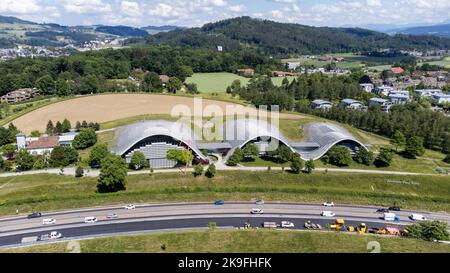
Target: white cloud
[(130, 8), (237, 8), (165, 11), (87, 6), (19, 6)]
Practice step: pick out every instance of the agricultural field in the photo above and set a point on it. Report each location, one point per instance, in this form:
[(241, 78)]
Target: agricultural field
[(444, 62), (218, 82), (111, 107), (46, 192), (242, 241)]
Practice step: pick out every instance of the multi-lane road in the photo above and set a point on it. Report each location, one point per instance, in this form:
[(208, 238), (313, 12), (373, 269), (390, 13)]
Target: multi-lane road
[(164, 217)]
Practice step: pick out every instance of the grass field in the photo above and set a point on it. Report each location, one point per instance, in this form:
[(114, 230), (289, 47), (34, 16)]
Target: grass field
[(218, 82), (53, 192), (242, 241)]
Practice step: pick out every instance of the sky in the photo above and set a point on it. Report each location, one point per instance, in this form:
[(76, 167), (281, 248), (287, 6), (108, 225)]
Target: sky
[(189, 13)]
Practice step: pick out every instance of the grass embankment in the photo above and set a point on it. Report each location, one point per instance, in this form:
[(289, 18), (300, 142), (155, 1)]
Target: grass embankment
[(249, 241), (53, 192)]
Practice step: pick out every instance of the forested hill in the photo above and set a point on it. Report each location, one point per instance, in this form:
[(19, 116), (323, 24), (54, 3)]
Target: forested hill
[(280, 38)]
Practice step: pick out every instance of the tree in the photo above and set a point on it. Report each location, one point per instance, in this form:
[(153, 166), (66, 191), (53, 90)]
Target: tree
[(2, 163), (447, 159), (66, 126), (79, 172), (384, 158), (414, 147), (250, 152), (283, 153), (58, 128), (98, 152), (364, 157), (339, 156), (46, 85), (429, 230), (40, 162), (296, 164), (174, 84), (24, 160), (211, 171), (63, 156), (184, 157), (50, 130), (138, 161), (446, 145), (192, 88), (35, 133), (309, 166), (113, 174), (5, 136), (152, 83), (198, 170), (398, 140), (85, 139)]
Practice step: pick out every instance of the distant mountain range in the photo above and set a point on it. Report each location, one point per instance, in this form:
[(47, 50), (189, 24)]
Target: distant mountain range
[(276, 38), (442, 30), (17, 31)]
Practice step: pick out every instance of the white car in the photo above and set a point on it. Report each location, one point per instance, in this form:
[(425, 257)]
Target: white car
[(130, 207), (328, 204), (287, 224), (55, 235), (90, 220), (256, 211), (259, 202), (417, 217), (112, 216), (49, 221), (328, 214)]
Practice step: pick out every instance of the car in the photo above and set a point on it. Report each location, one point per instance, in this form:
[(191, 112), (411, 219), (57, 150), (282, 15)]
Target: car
[(219, 203), (382, 210), (34, 215), (130, 207), (259, 202), (328, 204), (417, 217), (256, 211), (287, 224), (112, 216), (328, 214), (90, 220), (394, 208), (49, 221)]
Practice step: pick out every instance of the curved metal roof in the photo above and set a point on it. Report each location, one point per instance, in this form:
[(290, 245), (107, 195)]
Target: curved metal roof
[(326, 135), (130, 135)]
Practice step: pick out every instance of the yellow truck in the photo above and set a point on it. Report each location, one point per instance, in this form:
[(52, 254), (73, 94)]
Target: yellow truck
[(339, 224)]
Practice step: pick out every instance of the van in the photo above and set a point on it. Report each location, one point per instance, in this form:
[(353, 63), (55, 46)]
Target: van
[(328, 214), (48, 221), (389, 216), (417, 217), (90, 220)]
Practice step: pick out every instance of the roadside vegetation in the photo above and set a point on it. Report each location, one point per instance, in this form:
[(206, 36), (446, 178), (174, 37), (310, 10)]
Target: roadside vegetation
[(248, 241), (54, 192)]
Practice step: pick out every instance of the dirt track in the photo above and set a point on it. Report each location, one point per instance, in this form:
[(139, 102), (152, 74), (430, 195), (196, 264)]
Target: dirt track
[(110, 107)]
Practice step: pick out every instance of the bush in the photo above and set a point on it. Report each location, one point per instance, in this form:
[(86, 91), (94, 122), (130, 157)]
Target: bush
[(198, 170), (24, 160), (414, 147), (309, 166), (429, 230), (85, 139), (63, 156), (250, 152), (97, 154), (339, 156), (384, 159), (79, 172), (447, 159), (296, 164), (364, 157), (211, 171)]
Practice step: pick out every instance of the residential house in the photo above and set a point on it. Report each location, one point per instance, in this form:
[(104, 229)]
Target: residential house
[(423, 93), (351, 104), (385, 105), (368, 87), (164, 79), (44, 144), (398, 98), (246, 72), (293, 65), (441, 98), (397, 70), (321, 104), (277, 73), (382, 90), (20, 95)]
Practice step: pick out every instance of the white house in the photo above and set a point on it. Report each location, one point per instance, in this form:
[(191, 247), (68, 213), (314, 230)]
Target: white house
[(441, 98), (45, 144), (398, 98), (382, 90), (422, 93), (351, 104), (321, 104), (384, 104), (368, 87), (293, 65)]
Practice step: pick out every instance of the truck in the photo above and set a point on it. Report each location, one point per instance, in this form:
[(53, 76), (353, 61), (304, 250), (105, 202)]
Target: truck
[(270, 225), (45, 237), (389, 216)]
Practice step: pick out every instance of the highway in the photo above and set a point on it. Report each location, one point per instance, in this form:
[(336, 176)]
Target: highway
[(176, 216)]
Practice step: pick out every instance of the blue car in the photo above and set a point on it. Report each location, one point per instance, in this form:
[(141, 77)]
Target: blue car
[(219, 202)]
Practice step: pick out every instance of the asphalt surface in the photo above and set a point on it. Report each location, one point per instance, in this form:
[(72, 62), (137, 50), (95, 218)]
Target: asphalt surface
[(156, 217)]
